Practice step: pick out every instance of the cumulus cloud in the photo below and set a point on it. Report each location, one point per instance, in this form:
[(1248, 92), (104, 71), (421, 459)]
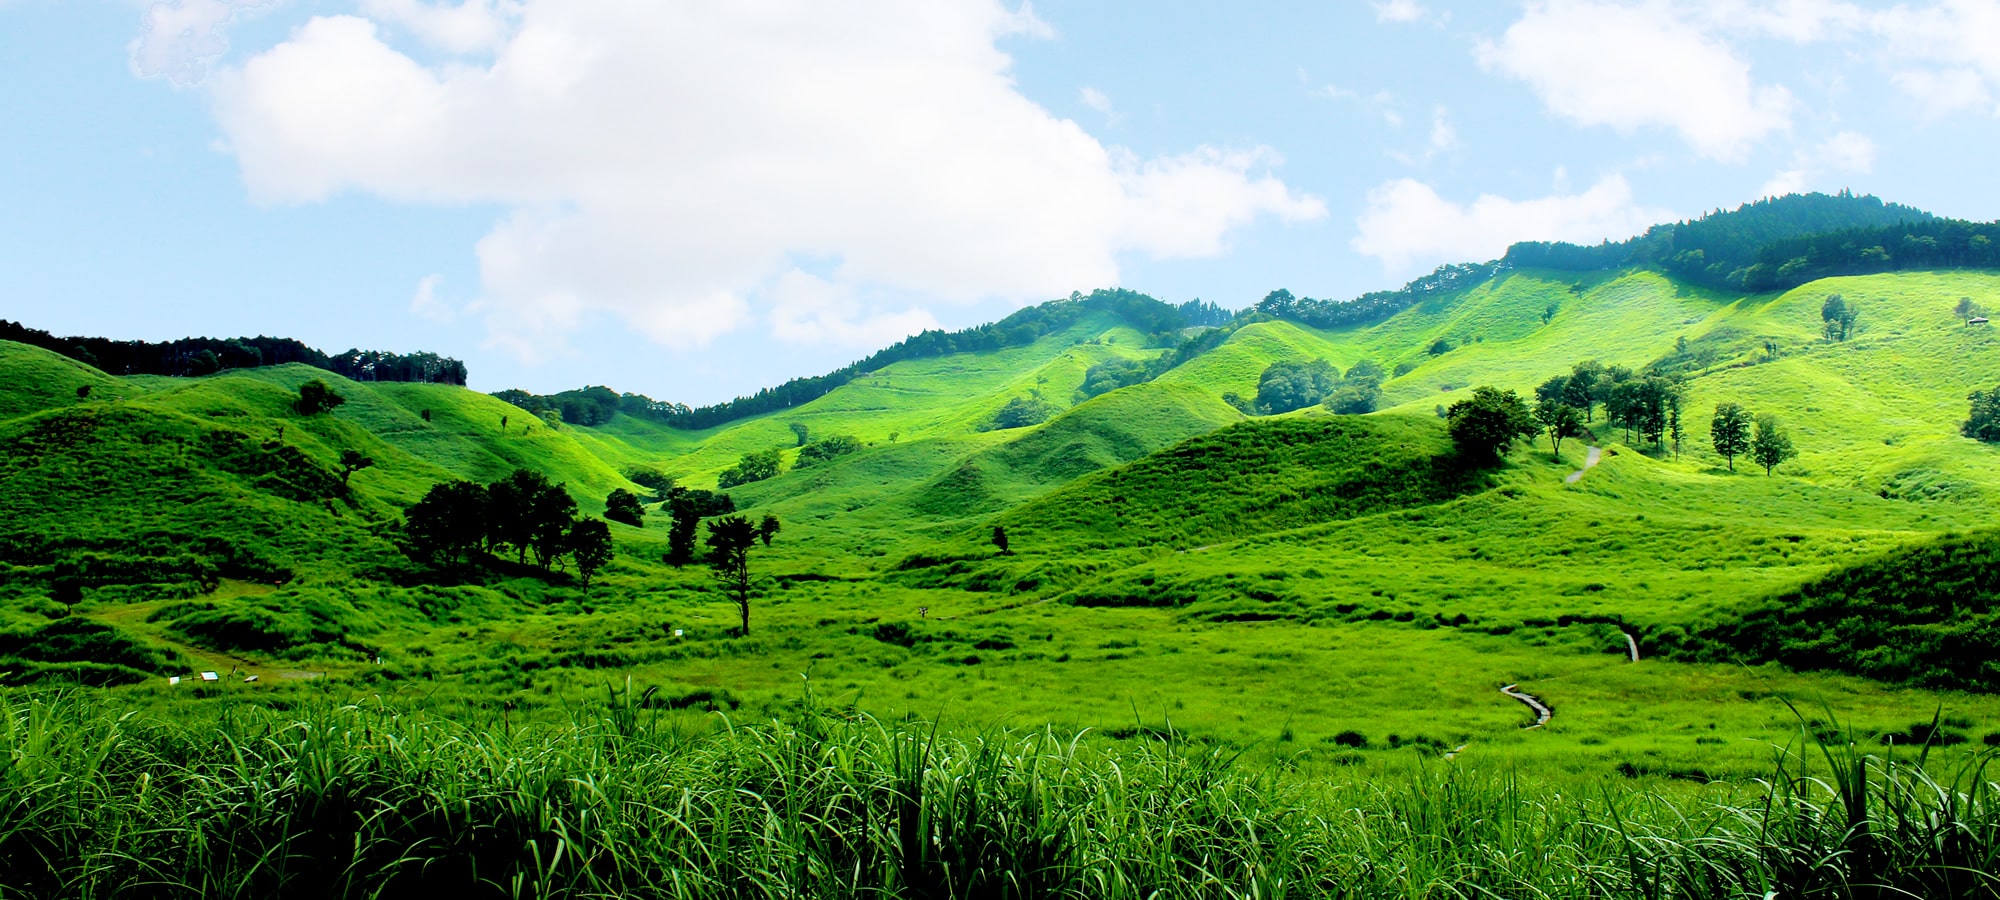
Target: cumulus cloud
[(1637, 66), (1408, 225), (1400, 11), (180, 40), (1846, 153), (663, 163)]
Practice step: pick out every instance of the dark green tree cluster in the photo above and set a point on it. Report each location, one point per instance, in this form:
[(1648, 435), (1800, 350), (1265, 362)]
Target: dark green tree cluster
[(1485, 424), (1358, 391), (1838, 317), (624, 506), (1287, 385), (1984, 422), (757, 465), (352, 461), (315, 398), (1735, 432), (826, 450), (458, 522), (1113, 374), (206, 356), (686, 507), (1020, 412), (654, 480)]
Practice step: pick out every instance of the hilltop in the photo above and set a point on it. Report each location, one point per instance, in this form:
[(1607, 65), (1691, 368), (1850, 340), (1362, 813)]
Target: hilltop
[(1178, 548)]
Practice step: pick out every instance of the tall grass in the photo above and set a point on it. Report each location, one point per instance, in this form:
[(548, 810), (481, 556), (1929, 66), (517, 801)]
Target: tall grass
[(371, 801)]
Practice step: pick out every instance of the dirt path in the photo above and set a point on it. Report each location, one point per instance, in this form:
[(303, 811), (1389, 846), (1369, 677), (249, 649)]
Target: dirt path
[(1589, 462), (1542, 712), (1633, 643)]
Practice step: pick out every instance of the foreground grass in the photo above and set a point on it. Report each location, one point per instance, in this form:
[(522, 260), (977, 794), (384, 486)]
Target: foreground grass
[(334, 801)]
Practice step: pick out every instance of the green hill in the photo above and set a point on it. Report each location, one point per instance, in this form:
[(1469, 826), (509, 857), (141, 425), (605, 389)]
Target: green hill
[(1170, 556)]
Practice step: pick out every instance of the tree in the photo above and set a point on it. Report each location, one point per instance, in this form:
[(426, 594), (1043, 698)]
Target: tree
[(68, 592), (768, 529), (688, 507), (1000, 540), (1770, 447), (1984, 422), (1558, 420), (623, 506), (83, 392), (800, 431), (1729, 431), (1554, 390), (352, 461), (590, 546), (448, 524), (315, 398), (1581, 389), (729, 541), (826, 449), (530, 514), (1483, 425), (757, 465), (1839, 317), (1020, 412), (1287, 385)]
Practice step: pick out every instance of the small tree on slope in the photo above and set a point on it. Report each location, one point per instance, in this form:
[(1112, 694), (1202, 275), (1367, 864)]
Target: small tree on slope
[(1729, 432)]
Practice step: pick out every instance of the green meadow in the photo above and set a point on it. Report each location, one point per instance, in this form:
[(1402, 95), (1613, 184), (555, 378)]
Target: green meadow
[(1331, 604)]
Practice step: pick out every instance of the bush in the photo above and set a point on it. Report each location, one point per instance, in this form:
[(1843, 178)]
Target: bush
[(1020, 412), (1287, 385), (752, 467), (827, 450)]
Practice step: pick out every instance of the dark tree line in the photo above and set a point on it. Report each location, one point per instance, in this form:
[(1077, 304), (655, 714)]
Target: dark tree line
[(1783, 242), (1377, 305), (207, 356), (595, 405), (523, 514)]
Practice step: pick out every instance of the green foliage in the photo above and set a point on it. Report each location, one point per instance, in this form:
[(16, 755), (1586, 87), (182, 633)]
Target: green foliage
[(1558, 420), (1729, 432), (768, 528), (729, 541), (1287, 385), (80, 651), (449, 524), (206, 356), (1770, 446), (352, 461), (757, 465), (687, 507), (1984, 421), (590, 546), (1357, 392), (623, 506), (1839, 317), (1484, 425), (1020, 412), (315, 398), (1113, 374), (800, 431), (523, 511), (827, 449)]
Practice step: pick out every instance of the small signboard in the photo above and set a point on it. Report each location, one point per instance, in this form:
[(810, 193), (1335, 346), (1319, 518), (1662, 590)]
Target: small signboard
[(210, 676)]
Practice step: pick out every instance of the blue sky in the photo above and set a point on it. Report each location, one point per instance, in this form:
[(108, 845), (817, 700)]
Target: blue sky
[(694, 200)]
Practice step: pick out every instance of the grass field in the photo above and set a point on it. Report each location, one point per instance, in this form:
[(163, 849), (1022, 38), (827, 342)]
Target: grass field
[(1323, 594)]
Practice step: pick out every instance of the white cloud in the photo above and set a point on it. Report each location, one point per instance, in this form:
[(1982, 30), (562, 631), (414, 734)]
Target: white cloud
[(427, 304), (1942, 92), (1099, 101), (1443, 136), (1846, 153), (470, 27), (179, 40), (1407, 224), (1400, 11), (663, 162), (811, 310), (1636, 66)]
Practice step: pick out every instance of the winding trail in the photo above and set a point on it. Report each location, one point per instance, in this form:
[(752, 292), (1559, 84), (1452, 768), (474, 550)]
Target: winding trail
[(1589, 462), (1542, 712), (1632, 643)]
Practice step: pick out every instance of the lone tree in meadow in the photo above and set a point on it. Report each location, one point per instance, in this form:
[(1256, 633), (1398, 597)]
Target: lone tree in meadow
[(590, 547), (1839, 317), (352, 461), (315, 398), (1558, 420), (1000, 540), (799, 431), (1729, 432), (729, 541), (1770, 446), (1984, 423), (623, 506), (768, 529), (1483, 425)]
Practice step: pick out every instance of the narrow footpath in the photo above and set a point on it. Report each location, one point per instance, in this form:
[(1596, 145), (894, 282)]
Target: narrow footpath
[(1542, 712), (1589, 462)]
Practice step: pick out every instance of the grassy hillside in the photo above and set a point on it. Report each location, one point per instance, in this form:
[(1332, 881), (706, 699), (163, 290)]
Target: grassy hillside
[(1172, 561)]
